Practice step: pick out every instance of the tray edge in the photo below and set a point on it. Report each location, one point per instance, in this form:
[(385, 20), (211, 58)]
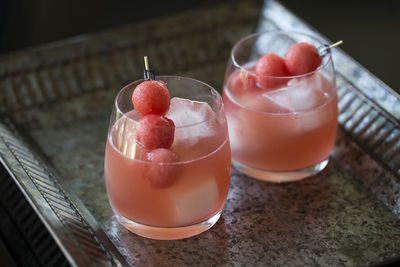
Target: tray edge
[(73, 228)]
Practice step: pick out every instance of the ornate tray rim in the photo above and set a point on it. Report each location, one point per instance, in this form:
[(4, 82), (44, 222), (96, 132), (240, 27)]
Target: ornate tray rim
[(73, 227)]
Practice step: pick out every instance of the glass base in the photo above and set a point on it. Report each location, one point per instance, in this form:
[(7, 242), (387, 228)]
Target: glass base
[(167, 233), (280, 176)]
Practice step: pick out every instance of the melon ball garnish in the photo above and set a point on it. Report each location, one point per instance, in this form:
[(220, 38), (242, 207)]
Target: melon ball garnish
[(241, 82), (302, 58), (151, 97), (160, 172), (155, 131), (248, 80), (270, 65)]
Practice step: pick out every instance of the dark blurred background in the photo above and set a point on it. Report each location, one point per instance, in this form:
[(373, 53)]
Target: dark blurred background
[(370, 29)]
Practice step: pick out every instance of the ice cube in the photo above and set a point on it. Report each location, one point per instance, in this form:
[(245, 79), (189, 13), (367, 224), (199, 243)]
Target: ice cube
[(194, 203), (242, 131), (123, 137), (186, 112), (252, 101), (300, 94), (194, 123)]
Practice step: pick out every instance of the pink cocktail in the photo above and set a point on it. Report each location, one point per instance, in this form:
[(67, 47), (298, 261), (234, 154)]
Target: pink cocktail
[(170, 200), (281, 128)]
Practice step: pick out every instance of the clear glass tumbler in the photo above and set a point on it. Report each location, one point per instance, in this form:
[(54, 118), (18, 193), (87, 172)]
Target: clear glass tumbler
[(198, 179), (284, 133)]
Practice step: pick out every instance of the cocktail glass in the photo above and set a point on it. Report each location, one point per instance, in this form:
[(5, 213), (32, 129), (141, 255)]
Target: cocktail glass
[(192, 200), (284, 133)]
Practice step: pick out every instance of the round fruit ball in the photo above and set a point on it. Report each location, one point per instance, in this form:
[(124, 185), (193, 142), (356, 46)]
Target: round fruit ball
[(151, 97), (160, 172), (247, 80), (155, 131), (242, 82), (271, 65), (302, 58)]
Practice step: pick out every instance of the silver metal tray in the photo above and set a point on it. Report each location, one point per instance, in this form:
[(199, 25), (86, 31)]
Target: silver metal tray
[(55, 103)]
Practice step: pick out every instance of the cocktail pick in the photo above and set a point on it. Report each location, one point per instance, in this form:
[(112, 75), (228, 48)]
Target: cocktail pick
[(148, 74), (323, 50)]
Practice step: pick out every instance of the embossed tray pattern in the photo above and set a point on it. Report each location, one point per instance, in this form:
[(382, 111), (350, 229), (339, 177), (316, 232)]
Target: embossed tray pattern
[(55, 102)]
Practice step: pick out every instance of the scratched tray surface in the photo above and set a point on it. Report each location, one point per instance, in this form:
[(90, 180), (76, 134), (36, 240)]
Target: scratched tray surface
[(60, 98)]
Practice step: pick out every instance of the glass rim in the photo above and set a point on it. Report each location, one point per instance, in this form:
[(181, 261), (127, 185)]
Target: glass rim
[(247, 37), (214, 93)]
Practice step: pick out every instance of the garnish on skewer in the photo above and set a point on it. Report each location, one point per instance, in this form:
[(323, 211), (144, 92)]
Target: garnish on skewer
[(151, 96), (151, 99), (155, 132), (302, 58)]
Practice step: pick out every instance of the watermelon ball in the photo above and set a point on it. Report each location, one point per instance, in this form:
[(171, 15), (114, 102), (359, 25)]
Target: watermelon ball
[(271, 65), (240, 82), (151, 97), (160, 172), (155, 131), (302, 58), (248, 80)]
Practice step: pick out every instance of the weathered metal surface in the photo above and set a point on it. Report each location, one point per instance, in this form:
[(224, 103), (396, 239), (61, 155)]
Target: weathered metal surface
[(59, 98)]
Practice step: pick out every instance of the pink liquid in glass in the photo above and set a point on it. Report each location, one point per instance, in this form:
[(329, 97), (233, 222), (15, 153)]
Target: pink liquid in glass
[(201, 178), (285, 129)]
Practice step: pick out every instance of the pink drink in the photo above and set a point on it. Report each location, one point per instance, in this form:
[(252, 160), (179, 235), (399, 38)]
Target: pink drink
[(201, 176), (282, 127), (268, 132), (267, 135), (135, 198)]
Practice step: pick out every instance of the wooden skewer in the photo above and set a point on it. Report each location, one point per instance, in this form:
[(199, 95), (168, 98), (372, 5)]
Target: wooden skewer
[(335, 44), (146, 63), (148, 74), (322, 51)]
